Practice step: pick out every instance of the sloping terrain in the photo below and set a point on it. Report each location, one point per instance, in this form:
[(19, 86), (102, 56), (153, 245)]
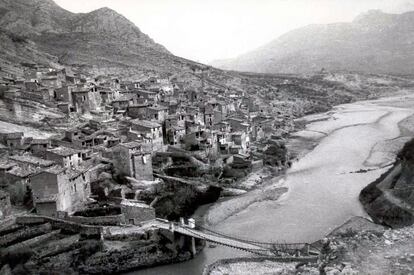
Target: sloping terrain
[(374, 42), (390, 199), (39, 31)]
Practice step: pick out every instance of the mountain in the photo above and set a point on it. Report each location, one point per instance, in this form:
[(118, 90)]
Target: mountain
[(101, 41), (374, 42)]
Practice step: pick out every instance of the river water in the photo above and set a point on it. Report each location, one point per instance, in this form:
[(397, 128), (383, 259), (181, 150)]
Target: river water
[(323, 186)]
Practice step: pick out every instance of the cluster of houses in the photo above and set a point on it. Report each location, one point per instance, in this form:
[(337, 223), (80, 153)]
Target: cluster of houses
[(128, 123)]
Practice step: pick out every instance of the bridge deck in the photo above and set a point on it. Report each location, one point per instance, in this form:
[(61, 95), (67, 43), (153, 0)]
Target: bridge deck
[(222, 240), (210, 236)]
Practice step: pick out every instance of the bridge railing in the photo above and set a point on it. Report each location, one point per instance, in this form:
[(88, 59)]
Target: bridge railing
[(259, 243), (273, 247)]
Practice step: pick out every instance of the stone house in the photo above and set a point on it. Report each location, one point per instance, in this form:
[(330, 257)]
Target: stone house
[(64, 94), (261, 125), (136, 212), (157, 113), (238, 124), (152, 130), (122, 103), (138, 111), (51, 81), (59, 190), (149, 96), (241, 139), (72, 79), (208, 117), (107, 95), (64, 156), (12, 140), (81, 101), (130, 160), (175, 135), (222, 126)]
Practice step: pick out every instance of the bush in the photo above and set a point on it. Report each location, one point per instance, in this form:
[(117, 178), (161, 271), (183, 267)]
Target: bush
[(17, 38), (14, 258)]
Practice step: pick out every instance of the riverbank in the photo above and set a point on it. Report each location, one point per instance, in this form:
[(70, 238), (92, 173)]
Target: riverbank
[(363, 128), (356, 247)]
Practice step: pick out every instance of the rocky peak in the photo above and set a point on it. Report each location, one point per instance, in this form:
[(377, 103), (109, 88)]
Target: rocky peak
[(374, 18)]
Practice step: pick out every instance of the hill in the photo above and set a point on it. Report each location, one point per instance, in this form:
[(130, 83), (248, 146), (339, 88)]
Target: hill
[(101, 41), (375, 42)]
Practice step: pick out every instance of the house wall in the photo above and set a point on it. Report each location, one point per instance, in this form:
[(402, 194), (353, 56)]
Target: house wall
[(135, 214), (44, 186), (95, 100), (137, 112), (77, 191), (66, 161), (122, 158), (46, 208), (142, 165)]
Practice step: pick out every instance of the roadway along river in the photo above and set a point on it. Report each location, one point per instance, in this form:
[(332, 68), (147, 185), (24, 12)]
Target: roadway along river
[(323, 186)]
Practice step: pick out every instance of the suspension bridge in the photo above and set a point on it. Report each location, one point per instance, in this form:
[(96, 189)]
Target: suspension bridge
[(252, 246)]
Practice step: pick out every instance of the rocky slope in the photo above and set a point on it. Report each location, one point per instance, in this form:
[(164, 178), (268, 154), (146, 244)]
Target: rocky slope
[(101, 41), (390, 199), (357, 247), (374, 42)]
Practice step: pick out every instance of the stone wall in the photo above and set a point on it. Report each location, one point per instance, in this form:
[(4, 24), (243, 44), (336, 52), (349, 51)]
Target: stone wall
[(91, 231), (99, 220), (135, 213)]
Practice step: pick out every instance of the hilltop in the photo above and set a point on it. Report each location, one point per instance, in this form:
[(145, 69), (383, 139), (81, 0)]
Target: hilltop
[(374, 42), (101, 41)]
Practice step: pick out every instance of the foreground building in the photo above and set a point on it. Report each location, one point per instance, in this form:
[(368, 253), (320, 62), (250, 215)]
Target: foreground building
[(57, 190)]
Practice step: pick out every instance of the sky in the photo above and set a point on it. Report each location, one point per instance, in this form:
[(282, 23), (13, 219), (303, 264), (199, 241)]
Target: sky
[(207, 30)]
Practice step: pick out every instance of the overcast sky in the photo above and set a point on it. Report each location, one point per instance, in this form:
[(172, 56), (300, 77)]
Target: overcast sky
[(205, 30)]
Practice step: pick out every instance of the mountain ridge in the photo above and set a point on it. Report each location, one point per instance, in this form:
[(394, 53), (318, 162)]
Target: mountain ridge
[(102, 41), (374, 42)]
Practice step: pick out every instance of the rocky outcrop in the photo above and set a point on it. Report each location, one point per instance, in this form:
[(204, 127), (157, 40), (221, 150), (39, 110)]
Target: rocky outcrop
[(390, 199), (101, 41)]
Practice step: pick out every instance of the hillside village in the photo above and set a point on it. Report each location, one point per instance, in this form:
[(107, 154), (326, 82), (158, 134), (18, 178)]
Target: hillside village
[(121, 147), (109, 144), (134, 128)]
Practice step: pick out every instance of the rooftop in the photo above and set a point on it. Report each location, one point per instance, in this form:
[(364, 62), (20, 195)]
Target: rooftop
[(32, 160), (63, 151), (158, 108), (21, 172), (54, 170), (131, 145), (145, 123), (135, 203)]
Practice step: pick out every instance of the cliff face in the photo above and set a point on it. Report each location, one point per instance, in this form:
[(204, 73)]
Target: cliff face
[(390, 199), (41, 31), (374, 42)]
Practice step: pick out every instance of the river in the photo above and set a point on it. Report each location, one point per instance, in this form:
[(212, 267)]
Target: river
[(323, 185)]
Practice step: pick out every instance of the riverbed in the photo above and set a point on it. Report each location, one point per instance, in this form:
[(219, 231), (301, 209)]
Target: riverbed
[(354, 144)]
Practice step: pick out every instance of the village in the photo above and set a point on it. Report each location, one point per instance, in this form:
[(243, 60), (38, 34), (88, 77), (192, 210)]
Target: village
[(126, 144)]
